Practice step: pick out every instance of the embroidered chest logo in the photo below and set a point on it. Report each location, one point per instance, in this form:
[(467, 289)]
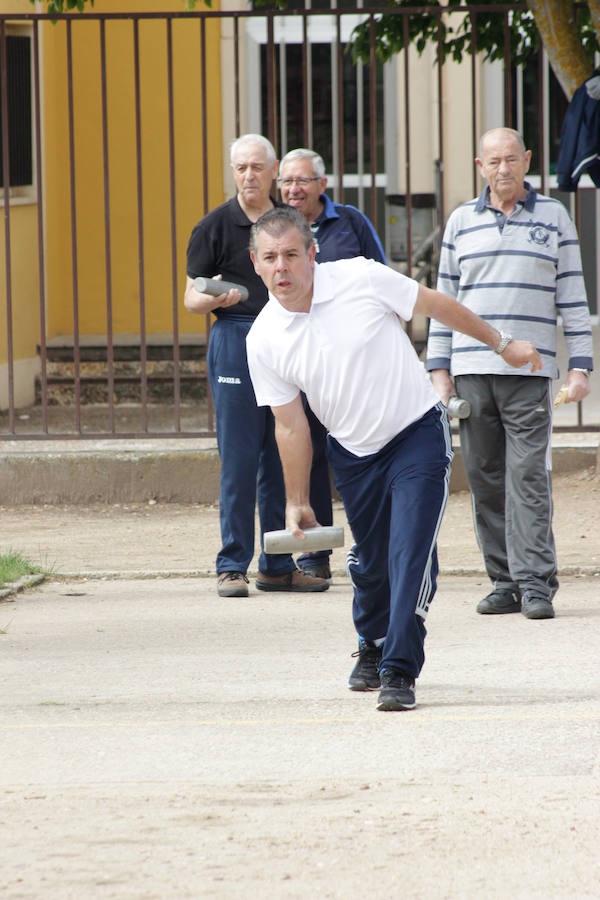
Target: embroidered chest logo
[(539, 234)]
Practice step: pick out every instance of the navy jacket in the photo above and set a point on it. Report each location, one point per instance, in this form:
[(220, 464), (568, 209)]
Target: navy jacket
[(580, 136)]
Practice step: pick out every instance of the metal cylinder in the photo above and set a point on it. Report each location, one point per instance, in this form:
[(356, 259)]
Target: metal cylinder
[(215, 286), (459, 408), (322, 537)]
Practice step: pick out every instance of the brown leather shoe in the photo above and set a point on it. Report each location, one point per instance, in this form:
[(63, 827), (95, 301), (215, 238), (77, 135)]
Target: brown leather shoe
[(291, 581), (232, 584)]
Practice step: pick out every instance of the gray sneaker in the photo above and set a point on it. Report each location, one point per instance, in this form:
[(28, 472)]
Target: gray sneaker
[(499, 602), (535, 606)]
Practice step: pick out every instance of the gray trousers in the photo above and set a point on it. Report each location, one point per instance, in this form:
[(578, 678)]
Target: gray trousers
[(506, 450)]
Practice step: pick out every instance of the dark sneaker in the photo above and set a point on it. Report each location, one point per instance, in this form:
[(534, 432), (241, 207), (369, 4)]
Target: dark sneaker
[(315, 568), (291, 581), (397, 690), (365, 674), (535, 606), (499, 602), (232, 584)]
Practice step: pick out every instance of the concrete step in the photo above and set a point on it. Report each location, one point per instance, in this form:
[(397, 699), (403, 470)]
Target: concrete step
[(126, 388), (93, 372), (169, 471)]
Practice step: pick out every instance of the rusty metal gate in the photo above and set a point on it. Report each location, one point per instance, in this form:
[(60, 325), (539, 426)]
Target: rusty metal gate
[(287, 75)]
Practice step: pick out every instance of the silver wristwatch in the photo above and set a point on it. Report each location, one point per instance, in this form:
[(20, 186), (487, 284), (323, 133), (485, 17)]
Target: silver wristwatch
[(587, 372), (505, 340)]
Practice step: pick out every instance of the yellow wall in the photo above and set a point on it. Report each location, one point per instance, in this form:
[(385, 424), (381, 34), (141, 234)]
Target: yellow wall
[(90, 208), (24, 283)]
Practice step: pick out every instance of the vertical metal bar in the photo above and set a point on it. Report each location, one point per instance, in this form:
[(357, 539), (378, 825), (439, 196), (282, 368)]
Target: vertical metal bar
[(474, 129), (72, 161), (283, 147), (408, 194), (519, 124), (172, 191), (373, 117), (360, 132), (407, 161), (340, 104), (544, 120), (360, 124), (40, 225), (204, 120), (271, 89), (107, 244), (440, 165), (7, 241), (507, 73), (204, 116), (140, 199), (236, 72), (335, 131), (306, 84)]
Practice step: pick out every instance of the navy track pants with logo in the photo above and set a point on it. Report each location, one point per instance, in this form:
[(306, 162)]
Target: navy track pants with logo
[(250, 464), (394, 501)]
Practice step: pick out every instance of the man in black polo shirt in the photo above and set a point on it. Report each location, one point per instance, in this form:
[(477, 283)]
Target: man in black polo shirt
[(250, 463)]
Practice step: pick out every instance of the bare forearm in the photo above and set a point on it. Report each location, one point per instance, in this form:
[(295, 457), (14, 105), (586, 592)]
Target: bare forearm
[(196, 302), (458, 317), (295, 450)]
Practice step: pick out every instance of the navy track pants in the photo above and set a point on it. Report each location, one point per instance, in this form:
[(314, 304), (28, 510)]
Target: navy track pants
[(250, 464), (394, 502)]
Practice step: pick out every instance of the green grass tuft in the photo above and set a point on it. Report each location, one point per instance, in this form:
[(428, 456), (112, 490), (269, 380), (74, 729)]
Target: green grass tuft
[(13, 566)]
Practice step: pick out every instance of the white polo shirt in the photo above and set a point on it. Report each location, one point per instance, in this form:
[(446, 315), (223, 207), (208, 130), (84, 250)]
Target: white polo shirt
[(349, 354)]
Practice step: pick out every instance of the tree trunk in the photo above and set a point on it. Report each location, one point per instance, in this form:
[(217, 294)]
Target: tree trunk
[(594, 7), (556, 25)]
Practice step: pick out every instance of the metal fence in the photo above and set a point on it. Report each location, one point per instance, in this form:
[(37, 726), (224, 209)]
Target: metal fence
[(290, 77)]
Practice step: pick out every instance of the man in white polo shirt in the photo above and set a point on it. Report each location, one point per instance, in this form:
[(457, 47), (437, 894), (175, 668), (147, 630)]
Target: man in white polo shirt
[(333, 330)]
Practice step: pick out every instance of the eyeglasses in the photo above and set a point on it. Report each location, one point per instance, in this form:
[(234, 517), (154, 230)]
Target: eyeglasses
[(301, 181)]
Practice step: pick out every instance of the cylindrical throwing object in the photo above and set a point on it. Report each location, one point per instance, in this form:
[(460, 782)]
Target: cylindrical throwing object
[(214, 287), (322, 537), (459, 407)]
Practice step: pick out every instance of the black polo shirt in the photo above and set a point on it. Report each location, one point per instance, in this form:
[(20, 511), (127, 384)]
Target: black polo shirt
[(219, 244)]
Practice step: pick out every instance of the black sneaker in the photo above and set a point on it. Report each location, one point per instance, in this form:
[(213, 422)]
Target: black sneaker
[(535, 606), (499, 602), (365, 674), (397, 690), (315, 568)]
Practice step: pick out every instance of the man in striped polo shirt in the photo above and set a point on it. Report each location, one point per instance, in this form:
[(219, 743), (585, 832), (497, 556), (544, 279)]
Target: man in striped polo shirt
[(512, 256)]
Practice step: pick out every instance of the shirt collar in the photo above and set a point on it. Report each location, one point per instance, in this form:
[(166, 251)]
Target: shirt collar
[(483, 200), (329, 210), (238, 214)]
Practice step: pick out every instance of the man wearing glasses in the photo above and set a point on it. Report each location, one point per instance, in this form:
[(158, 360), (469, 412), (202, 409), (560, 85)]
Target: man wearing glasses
[(340, 232)]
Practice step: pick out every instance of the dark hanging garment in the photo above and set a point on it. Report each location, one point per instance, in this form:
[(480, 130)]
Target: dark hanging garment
[(580, 136)]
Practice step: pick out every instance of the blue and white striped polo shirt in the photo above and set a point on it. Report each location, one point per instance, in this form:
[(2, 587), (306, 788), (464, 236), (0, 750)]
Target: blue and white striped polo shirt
[(519, 273)]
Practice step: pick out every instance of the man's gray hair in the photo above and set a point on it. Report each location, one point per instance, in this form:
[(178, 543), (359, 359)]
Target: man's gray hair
[(303, 153), (509, 132), (279, 220), (254, 139)]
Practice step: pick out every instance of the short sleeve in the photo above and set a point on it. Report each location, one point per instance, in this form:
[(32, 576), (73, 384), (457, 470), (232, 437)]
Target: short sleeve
[(270, 389)]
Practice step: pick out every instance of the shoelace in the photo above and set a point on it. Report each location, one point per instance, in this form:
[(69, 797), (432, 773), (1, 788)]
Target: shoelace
[(233, 576)]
